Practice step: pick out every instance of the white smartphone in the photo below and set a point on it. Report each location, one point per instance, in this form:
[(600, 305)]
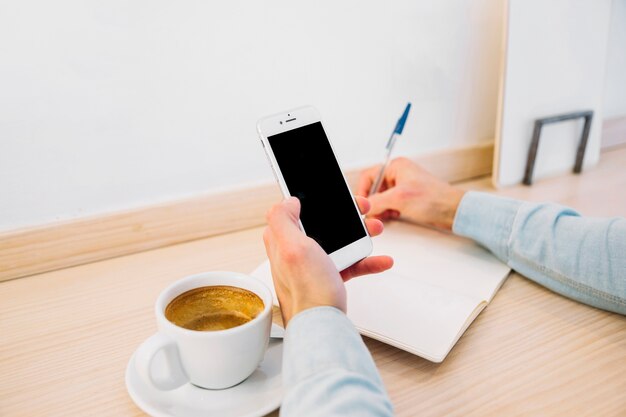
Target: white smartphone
[(305, 166)]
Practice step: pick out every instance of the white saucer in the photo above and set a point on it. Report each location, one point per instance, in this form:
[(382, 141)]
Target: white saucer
[(258, 395)]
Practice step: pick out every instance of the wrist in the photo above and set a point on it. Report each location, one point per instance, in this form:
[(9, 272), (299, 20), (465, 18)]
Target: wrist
[(447, 207), (308, 305), (315, 310), (288, 313)]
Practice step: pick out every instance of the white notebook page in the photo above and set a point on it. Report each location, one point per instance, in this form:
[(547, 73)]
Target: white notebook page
[(438, 284)]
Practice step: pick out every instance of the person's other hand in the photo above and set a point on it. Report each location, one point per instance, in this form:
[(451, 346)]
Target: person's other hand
[(304, 275), (411, 192)]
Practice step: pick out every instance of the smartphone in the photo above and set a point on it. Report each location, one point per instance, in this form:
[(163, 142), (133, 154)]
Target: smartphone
[(305, 167)]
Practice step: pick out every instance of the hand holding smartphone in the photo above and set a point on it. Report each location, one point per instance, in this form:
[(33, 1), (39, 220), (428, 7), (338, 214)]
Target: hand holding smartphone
[(305, 167)]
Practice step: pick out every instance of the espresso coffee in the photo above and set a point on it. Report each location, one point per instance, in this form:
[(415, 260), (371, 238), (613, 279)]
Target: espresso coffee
[(216, 307)]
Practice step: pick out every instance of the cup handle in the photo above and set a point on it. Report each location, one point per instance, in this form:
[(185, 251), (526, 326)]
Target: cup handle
[(174, 376)]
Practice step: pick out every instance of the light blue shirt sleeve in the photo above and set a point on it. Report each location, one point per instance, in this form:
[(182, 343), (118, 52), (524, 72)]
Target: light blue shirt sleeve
[(327, 370), (582, 258)]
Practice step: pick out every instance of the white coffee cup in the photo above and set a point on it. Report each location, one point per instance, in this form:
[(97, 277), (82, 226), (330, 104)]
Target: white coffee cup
[(208, 359)]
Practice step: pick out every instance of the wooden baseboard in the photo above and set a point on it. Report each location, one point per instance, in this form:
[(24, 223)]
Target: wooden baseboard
[(60, 245), (613, 132)]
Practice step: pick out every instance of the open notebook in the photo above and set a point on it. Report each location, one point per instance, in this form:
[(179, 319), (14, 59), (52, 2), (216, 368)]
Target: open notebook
[(438, 285)]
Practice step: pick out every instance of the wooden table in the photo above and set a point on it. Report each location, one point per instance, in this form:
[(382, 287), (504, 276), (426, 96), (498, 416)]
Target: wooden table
[(66, 336)]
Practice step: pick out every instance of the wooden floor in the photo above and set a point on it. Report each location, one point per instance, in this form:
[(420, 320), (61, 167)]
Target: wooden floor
[(66, 336)]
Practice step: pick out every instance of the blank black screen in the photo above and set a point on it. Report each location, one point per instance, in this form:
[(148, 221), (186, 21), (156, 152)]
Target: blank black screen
[(312, 174)]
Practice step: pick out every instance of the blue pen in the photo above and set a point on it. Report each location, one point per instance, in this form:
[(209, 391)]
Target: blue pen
[(390, 144)]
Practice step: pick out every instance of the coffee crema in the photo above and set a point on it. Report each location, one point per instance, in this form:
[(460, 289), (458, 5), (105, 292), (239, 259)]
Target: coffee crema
[(216, 307)]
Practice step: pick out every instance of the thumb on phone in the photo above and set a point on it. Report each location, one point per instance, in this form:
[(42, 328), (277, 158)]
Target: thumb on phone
[(283, 218)]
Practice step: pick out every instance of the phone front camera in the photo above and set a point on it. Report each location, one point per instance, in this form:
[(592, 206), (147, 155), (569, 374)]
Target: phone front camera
[(281, 123)]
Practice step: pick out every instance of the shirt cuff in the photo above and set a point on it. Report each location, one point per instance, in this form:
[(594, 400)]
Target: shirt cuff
[(320, 339), (487, 219)]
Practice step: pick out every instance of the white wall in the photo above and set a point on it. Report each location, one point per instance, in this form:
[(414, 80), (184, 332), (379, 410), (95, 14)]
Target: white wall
[(615, 82), (107, 105)]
